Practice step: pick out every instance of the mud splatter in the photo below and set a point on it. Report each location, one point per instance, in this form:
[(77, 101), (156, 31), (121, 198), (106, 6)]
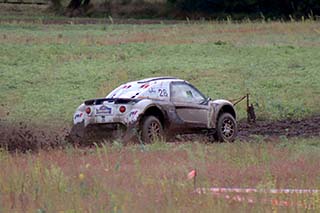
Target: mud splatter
[(22, 137)]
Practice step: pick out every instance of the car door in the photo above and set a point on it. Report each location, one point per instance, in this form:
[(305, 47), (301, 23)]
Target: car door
[(190, 105)]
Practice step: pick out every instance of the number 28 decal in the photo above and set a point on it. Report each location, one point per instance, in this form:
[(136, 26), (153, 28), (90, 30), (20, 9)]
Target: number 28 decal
[(163, 93)]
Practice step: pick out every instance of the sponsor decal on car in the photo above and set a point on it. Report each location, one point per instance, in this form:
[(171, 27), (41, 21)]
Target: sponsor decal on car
[(144, 86), (133, 116), (133, 113), (126, 86), (163, 93), (152, 90), (104, 110), (78, 115)]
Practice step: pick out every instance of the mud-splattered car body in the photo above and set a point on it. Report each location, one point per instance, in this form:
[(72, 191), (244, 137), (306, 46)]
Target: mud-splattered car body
[(177, 105)]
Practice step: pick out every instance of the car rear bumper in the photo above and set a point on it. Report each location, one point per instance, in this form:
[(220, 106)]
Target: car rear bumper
[(105, 120), (112, 131)]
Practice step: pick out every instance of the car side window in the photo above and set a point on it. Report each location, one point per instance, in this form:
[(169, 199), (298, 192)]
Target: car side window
[(183, 92)]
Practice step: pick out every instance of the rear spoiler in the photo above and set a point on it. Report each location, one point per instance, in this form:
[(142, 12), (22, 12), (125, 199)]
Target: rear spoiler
[(99, 101)]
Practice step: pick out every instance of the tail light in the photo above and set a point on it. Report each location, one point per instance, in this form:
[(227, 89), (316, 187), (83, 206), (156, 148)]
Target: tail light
[(122, 109), (88, 110)]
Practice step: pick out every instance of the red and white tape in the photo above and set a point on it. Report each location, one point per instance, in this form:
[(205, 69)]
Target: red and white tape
[(245, 195), (253, 200), (253, 190)]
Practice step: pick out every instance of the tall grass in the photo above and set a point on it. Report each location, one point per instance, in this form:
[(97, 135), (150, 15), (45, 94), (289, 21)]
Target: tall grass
[(113, 178)]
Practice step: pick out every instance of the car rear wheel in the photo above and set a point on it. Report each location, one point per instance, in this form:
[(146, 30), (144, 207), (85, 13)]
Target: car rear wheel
[(227, 129), (151, 129)]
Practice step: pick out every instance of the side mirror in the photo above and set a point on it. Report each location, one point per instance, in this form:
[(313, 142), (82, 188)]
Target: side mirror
[(206, 100)]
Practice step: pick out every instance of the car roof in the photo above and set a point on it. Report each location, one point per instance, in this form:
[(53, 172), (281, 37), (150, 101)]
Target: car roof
[(135, 88), (162, 78)]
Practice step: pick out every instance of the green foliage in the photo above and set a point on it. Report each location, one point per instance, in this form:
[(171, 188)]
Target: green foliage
[(271, 8)]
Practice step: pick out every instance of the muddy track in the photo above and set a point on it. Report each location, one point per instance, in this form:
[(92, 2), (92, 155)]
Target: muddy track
[(23, 137), (89, 21), (306, 127)]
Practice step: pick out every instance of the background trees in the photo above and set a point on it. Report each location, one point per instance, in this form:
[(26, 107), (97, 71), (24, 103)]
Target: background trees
[(190, 8), (272, 8)]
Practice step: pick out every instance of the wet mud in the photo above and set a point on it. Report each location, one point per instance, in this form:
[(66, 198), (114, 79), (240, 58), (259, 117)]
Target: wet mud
[(23, 137), (306, 127)]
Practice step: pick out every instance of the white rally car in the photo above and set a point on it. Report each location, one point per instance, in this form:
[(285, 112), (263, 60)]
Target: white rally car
[(155, 107)]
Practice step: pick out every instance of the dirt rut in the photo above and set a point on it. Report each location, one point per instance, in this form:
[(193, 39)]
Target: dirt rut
[(22, 137), (306, 127)]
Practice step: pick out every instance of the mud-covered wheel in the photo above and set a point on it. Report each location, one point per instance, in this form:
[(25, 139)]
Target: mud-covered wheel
[(227, 129), (151, 129)]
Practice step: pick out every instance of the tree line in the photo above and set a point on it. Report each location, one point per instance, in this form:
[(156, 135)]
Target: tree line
[(208, 8), (272, 8)]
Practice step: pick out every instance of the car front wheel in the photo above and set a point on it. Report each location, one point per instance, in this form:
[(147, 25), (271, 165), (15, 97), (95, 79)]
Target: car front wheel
[(227, 129), (151, 129)]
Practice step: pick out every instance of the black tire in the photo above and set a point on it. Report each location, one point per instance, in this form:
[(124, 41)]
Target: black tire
[(151, 129), (227, 129)]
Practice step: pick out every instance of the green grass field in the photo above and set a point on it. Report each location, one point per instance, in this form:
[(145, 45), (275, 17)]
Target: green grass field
[(46, 71)]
